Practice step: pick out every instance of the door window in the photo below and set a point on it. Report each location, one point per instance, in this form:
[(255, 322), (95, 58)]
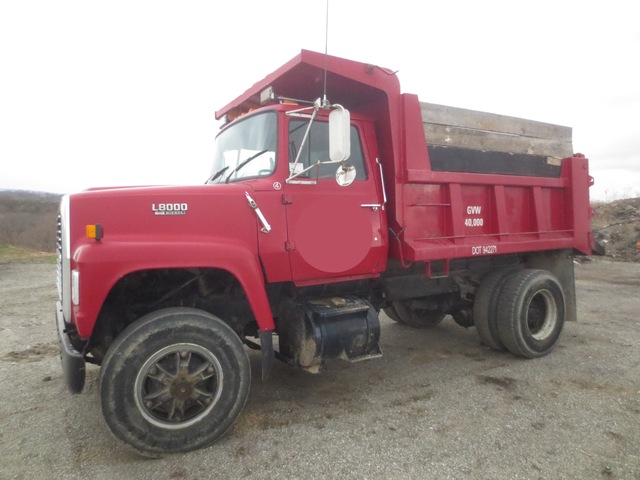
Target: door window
[(316, 149)]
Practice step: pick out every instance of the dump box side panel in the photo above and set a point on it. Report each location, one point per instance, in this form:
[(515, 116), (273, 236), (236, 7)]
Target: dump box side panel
[(492, 185)]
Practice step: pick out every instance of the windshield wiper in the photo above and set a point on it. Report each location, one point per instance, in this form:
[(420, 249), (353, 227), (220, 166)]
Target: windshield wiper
[(243, 163), (216, 174)]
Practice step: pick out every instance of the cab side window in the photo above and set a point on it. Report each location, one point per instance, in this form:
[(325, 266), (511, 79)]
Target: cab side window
[(316, 148)]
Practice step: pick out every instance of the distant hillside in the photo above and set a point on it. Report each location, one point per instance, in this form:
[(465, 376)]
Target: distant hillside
[(28, 219)]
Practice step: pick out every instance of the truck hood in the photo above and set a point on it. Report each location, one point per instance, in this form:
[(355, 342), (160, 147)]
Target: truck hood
[(164, 214)]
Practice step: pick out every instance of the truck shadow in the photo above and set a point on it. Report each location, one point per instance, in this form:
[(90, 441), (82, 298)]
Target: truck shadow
[(412, 362)]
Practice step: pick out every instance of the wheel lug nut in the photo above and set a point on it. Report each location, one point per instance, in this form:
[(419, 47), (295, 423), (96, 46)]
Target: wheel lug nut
[(210, 369), (148, 404), (184, 354)]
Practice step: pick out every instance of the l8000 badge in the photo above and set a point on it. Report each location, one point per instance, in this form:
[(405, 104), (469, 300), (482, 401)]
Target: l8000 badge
[(169, 208)]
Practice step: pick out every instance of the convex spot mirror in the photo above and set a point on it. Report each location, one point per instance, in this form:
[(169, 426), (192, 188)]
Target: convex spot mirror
[(339, 134), (346, 174)]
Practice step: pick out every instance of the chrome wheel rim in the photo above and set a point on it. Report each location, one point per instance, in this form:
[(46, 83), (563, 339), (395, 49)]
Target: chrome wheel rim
[(542, 315), (178, 386)]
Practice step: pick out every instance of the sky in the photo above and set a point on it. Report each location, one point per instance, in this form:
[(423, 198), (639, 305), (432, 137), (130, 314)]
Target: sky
[(124, 92)]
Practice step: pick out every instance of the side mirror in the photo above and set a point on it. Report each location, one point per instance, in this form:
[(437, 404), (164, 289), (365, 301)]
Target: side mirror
[(339, 134)]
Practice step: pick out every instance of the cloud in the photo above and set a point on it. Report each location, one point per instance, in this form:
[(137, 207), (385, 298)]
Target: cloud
[(614, 184)]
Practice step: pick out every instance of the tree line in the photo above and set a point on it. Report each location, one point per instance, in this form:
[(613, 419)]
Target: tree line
[(29, 219)]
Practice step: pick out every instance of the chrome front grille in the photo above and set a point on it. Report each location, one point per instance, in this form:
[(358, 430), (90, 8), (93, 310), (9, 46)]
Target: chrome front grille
[(59, 262), (64, 258)]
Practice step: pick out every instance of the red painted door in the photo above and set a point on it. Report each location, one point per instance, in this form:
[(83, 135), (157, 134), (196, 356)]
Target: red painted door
[(333, 231)]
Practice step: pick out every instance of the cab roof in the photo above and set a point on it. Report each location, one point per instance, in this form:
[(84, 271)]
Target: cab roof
[(349, 83)]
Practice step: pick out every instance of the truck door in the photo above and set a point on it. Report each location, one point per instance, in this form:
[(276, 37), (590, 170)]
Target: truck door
[(333, 231)]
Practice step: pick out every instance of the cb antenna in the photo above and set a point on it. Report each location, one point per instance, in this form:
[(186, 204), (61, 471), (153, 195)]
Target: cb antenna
[(325, 102)]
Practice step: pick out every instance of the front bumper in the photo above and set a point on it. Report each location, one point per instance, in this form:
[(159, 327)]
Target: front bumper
[(73, 363)]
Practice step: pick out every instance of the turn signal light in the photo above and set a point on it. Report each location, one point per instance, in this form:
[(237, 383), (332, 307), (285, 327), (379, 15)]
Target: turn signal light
[(94, 231)]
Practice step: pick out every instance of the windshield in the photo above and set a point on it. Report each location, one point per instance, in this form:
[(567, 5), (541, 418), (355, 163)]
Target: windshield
[(246, 149)]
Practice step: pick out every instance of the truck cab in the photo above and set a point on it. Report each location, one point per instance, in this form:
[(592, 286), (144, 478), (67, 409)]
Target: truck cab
[(308, 207)]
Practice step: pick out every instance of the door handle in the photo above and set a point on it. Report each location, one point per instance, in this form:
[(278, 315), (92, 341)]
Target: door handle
[(373, 206), (376, 206)]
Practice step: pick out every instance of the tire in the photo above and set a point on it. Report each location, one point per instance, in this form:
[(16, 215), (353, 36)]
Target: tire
[(531, 313), (485, 307), (392, 314), (413, 315), (174, 381)]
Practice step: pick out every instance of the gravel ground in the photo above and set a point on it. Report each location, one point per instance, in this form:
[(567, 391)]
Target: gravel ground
[(437, 405)]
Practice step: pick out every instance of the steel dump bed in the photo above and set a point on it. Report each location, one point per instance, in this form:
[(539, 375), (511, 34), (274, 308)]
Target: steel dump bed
[(491, 184)]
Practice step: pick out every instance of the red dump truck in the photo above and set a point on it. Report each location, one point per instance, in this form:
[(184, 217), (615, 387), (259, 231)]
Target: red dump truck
[(333, 197)]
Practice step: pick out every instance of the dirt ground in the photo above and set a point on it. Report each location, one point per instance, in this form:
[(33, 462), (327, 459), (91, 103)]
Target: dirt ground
[(438, 404)]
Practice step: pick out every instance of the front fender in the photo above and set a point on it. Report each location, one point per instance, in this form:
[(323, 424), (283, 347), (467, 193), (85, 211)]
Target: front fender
[(101, 265)]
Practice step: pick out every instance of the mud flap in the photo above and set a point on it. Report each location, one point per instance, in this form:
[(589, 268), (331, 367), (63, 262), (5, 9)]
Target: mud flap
[(73, 363), (266, 343)]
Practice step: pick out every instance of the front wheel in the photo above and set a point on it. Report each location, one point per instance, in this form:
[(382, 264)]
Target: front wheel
[(174, 381)]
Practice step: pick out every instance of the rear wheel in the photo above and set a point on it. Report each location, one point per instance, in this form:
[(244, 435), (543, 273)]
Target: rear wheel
[(485, 305), (174, 381), (414, 314), (531, 312), (392, 314)]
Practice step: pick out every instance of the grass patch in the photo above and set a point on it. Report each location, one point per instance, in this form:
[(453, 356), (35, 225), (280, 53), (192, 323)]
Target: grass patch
[(11, 253)]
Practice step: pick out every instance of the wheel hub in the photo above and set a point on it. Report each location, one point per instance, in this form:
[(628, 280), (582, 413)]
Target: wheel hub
[(182, 389)]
